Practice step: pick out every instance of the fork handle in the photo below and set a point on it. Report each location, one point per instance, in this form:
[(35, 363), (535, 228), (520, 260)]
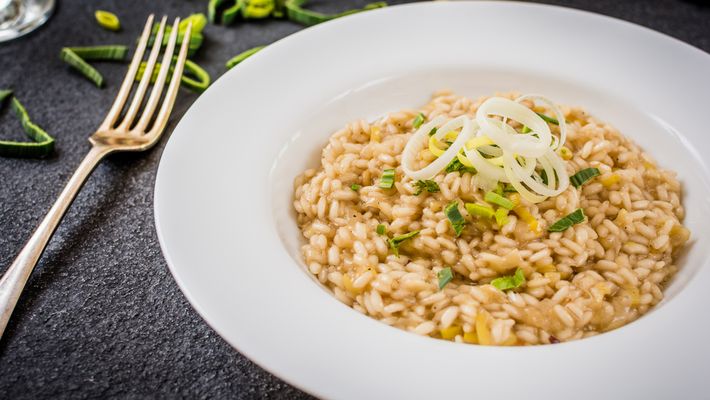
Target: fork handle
[(16, 276)]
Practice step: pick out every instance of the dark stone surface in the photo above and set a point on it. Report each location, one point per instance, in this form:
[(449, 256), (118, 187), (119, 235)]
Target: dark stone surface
[(101, 316)]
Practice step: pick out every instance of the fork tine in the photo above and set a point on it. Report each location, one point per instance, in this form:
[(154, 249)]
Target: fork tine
[(162, 119), (145, 80), (125, 89), (159, 82)]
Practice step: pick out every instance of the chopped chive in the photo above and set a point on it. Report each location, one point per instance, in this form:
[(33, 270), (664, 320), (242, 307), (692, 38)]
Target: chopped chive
[(583, 176), (397, 240), (480, 210), (387, 179), (445, 276), (567, 221), (455, 217), (432, 131), (418, 121), (428, 185), (355, 187), (381, 229), (70, 57), (42, 144), (501, 216), (107, 20), (509, 282), (242, 56), (495, 198), (548, 119), (296, 13)]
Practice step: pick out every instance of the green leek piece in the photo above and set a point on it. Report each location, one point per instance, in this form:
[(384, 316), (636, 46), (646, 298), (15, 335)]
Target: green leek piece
[(387, 179), (501, 216), (454, 215), (258, 9), (212, 9), (76, 57), (480, 210), (70, 57), (576, 217), (495, 198), (355, 187), (231, 13), (43, 143), (107, 20), (428, 185), (583, 176), (381, 229), (509, 282), (199, 84), (444, 276), (198, 22), (242, 56), (418, 121), (398, 240), (104, 53), (295, 12)]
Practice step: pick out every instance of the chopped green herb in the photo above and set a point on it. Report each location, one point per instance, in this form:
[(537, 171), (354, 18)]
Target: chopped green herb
[(295, 12), (456, 165), (107, 20), (387, 179), (445, 276), (563, 224), (42, 144), (455, 217), (501, 216), (70, 57), (397, 240), (525, 129), (432, 131), (428, 185), (242, 56), (509, 282), (583, 176), (355, 187), (495, 198), (480, 210), (418, 121), (381, 229), (547, 119)]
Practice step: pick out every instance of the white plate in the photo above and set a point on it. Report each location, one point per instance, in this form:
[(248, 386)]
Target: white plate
[(224, 188)]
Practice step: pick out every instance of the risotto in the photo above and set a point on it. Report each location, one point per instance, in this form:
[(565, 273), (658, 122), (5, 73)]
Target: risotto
[(520, 233)]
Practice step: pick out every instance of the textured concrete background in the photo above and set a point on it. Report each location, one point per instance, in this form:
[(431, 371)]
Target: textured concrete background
[(101, 315)]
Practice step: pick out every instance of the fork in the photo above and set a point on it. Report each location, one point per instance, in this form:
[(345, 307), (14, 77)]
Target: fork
[(115, 134)]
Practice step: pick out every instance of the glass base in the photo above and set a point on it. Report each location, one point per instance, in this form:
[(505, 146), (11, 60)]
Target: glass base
[(20, 17)]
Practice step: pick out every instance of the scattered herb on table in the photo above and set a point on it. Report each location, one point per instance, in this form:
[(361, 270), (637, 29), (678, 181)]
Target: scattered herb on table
[(42, 144), (107, 20)]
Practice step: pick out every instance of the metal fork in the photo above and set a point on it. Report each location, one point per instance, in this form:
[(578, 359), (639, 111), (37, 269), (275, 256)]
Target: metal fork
[(112, 136)]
